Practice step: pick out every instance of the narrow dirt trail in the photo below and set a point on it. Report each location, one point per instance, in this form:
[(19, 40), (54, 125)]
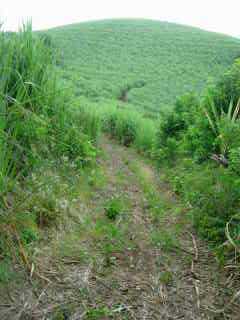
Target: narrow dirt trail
[(176, 280), (148, 264)]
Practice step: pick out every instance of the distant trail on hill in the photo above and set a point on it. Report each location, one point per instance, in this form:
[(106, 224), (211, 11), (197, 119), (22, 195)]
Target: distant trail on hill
[(103, 58)]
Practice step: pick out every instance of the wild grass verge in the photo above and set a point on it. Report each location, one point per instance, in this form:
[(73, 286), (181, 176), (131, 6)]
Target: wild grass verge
[(197, 144), (39, 128), (130, 128)]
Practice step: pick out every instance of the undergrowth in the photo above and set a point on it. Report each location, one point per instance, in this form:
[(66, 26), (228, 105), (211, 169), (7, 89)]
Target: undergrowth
[(40, 130)]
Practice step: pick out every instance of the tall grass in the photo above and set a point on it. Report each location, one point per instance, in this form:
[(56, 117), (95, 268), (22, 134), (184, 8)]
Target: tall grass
[(39, 129), (129, 128), (28, 96), (35, 118)]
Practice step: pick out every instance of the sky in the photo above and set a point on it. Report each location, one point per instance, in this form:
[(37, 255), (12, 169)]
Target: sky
[(214, 15)]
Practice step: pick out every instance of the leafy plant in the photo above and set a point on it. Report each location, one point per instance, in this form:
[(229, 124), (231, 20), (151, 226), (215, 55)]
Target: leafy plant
[(224, 125), (98, 313), (234, 160), (164, 239), (113, 208)]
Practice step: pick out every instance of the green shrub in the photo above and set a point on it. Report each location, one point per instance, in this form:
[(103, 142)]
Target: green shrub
[(167, 153), (172, 128), (73, 143), (224, 125), (176, 121), (214, 127), (110, 122), (214, 194), (113, 208), (229, 135), (46, 210), (199, 140), (190, 134), (145, 136), (129, 128), (126, 127), (89, 120), (98, 313), (5, 271)]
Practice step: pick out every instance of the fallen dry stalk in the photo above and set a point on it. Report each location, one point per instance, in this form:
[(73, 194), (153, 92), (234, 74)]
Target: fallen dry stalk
[(30, 267), (195, 280)]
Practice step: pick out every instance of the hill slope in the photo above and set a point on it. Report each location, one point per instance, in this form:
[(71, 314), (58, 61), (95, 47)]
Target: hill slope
[(147, 63)]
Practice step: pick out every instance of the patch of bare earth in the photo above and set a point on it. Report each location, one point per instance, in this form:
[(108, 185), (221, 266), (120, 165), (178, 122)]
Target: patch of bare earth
[(142, 281)]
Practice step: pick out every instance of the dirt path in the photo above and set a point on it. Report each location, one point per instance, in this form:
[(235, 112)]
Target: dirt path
[(146, 264)]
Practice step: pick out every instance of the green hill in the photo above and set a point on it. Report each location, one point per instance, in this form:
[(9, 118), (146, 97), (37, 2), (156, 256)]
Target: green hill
[(147, 63)]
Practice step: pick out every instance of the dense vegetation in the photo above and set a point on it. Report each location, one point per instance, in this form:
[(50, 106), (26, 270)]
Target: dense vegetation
[(203, 139), (145, 63), (39, 132)]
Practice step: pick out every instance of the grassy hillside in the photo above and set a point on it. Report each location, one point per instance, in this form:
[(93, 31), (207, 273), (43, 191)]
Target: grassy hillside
[(146, 63)]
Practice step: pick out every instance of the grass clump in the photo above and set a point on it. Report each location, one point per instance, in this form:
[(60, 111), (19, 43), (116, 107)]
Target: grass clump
[(113, 208), (164, 239), (120, 124), (166, 277), (98, 313), (130, 128), (5, 272)]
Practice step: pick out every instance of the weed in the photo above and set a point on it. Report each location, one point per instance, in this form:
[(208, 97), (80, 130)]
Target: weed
[(62, 313), (98, 313), (164, 239), (5, 272), (113, 208), (166, 277), (71, 247)]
